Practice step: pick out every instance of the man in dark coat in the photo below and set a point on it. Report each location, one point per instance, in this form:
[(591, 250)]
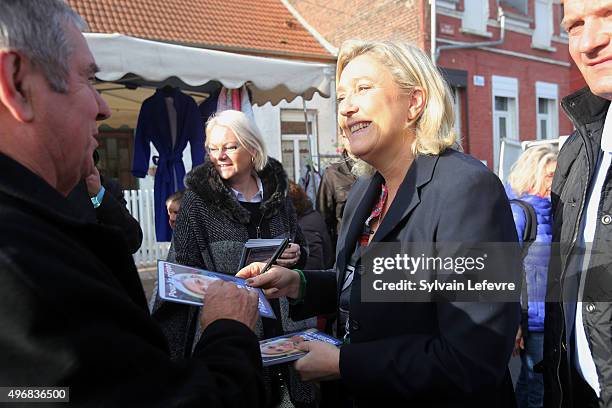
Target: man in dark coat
[(578, 336), (331, 197), (72, 308), (100, 199)]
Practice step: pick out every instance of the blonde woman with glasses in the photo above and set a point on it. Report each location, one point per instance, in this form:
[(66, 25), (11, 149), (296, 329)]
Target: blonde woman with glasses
[(238, 193)]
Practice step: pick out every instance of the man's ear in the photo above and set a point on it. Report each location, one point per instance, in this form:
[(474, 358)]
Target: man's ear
[(14, 89), (417, 100)]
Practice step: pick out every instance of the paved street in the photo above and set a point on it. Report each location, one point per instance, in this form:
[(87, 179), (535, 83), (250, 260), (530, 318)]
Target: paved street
[(148, 277)]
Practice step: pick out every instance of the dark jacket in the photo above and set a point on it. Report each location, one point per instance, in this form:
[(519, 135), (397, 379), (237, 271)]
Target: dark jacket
[(211, 229), (535, 263), (320, 252), (425, 354), (112, 212), (73, 314), (575, 170), (333, 191)]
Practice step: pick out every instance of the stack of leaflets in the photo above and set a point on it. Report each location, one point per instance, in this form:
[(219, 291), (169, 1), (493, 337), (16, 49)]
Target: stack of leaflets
[(184, 284), (260, 250), (284, 348)]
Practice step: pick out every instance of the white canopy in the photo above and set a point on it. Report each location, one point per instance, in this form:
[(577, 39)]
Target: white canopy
[(140, 62)]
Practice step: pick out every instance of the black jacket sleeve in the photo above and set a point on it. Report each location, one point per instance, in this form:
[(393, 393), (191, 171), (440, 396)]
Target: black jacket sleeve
[(76, 327), (320, 295), (113, 212)]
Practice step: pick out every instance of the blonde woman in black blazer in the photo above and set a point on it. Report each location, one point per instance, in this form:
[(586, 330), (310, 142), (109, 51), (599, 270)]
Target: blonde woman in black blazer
[(396, 111)]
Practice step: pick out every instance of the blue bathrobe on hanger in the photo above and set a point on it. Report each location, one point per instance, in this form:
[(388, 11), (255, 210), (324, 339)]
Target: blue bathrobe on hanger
[(154, 127)]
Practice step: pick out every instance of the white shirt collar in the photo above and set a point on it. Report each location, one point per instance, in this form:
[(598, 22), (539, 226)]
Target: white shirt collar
[(606, 135), (257, 198)]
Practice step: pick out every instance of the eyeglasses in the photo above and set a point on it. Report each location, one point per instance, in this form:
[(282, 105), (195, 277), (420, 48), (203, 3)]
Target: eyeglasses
[(229, 150)]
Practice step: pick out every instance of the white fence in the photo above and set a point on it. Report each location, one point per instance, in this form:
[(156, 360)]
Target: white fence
[(141, 205)]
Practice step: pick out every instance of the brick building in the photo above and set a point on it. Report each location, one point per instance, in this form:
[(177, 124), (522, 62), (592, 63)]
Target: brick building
[(509, 90)]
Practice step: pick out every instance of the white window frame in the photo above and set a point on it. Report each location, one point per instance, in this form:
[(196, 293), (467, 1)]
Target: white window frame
[(295, 115), (549, 91), (543, 32), (297, 166), (475, 17), (457, 110), (506, 87)]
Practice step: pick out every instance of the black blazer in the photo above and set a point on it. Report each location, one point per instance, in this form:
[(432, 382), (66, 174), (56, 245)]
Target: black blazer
[(425, 354)]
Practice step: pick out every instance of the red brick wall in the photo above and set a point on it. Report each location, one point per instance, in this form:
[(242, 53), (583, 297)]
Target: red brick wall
[(486, 64), (576, 80), (340, 20)]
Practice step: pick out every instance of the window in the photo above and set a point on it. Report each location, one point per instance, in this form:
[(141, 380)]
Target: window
[(515, 6), (543, 24), (115, 151), (546, 110), (295, 149), (505, 117), (475, 17)]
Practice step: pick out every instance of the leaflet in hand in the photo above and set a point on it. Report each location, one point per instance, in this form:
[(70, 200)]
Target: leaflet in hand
[(259, 250), (185, 284), (282, 349)]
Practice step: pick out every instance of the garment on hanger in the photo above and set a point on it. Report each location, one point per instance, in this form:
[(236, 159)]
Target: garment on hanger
[(245, 103), (155, 125), (209, 106)]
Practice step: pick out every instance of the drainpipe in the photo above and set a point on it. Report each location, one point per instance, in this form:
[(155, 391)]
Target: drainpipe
[(501, 17), (432, 46)]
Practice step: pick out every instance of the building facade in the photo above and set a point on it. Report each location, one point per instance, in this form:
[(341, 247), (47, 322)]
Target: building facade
[(504, 88)]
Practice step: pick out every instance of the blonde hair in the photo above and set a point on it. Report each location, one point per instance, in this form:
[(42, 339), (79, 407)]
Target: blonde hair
[(528, 173), (410, 67), (246, 132)]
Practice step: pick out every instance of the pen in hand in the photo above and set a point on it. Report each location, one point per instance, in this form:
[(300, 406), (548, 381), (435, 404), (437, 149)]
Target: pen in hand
[(275, 256)]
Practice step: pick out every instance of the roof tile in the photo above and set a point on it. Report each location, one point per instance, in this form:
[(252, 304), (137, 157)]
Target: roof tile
[(262, 25)]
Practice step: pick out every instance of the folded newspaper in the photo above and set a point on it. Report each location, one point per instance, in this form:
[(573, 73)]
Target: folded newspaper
[(282, 349), (185, 284)]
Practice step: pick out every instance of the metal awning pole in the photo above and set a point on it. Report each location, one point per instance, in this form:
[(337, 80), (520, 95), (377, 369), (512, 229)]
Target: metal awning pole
[(309, 138)]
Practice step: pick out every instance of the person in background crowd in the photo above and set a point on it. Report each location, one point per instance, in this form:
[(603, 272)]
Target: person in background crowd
[(396, 111), (335, 186), (173, 205), (72, 308), (530, 181), (310, 180), (578, 337), (320, 255), (238, 193), (99, 199)]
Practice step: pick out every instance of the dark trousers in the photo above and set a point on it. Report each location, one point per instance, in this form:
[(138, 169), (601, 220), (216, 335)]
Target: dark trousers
[(530, 385)]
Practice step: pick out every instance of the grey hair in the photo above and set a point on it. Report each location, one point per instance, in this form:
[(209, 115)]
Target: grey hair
[(246, 132), (37, 29)]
